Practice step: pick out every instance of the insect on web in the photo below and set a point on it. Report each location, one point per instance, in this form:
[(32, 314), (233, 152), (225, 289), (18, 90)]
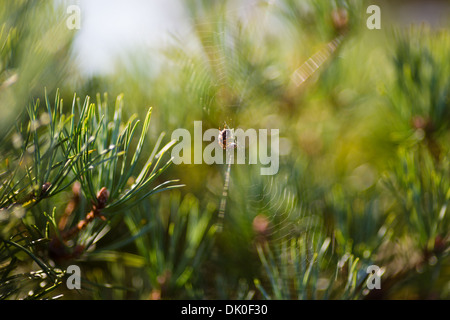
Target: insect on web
[(223, 85)]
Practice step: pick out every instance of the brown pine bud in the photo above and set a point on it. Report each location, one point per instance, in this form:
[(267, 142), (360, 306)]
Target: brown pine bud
[(340, 19), (45, 187), (102, 198), (261, 227)]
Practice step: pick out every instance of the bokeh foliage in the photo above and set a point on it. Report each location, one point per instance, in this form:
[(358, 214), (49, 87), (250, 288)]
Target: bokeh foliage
[(364, 158)]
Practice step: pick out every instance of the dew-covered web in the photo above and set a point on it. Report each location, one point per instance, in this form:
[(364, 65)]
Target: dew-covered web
[(288, 241), (281, 216), (218, 55), (222, 62)]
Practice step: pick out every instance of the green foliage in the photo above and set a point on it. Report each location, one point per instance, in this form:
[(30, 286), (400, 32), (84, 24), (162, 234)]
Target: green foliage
[(177, 240), (364, 159), (55, 152), (301, 270), (34, 53)]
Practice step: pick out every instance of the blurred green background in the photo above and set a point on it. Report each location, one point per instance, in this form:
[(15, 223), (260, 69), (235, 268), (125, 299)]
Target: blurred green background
[(364, 146)]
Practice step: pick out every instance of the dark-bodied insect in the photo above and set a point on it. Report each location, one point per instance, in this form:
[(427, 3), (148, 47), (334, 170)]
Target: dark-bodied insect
[(226, 138)]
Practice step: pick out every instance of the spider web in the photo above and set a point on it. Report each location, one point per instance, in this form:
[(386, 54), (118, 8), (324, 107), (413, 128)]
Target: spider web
[(221, 78), (223, 66)]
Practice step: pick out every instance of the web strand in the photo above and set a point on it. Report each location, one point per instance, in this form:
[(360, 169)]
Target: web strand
[(223, 200)]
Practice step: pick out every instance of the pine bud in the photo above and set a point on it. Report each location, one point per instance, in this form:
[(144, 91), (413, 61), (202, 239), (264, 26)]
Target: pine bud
[(102, 197), (340, 19)]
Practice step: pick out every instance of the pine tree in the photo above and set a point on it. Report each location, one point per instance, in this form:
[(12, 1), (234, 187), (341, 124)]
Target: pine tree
[(363, 181)]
